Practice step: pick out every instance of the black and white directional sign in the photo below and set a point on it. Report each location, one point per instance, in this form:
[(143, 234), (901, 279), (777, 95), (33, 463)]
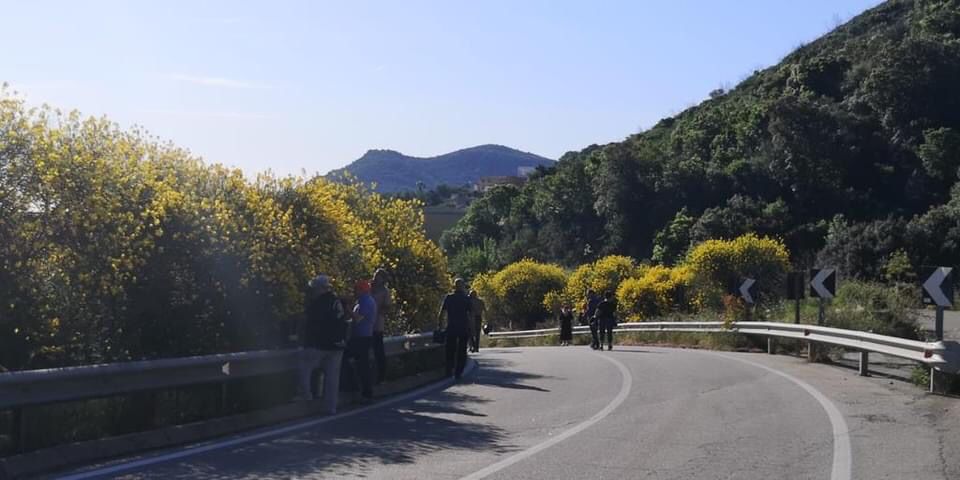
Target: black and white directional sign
[(746, 290), (938, 286), (823, 282)]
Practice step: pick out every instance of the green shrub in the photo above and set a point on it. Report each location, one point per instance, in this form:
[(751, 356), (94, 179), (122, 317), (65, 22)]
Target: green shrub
[(874, 307)]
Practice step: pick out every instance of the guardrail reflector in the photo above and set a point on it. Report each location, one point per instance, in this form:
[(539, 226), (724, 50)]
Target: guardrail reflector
[(927, 354)]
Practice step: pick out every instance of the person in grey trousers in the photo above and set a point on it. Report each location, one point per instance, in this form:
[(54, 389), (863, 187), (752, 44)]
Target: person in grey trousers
[(323, 337)]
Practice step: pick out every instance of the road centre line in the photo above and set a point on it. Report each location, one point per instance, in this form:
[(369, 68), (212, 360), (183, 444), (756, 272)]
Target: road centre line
[(625, 385)]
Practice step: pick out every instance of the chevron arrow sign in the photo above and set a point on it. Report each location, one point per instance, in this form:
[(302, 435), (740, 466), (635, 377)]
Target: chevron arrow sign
[(745, 290), (938, 287), (823, 283)]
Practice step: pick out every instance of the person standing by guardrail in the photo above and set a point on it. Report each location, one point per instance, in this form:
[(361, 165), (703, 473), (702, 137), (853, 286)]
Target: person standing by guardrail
[(361, 339), (323, 338), (476, 313), (381, 295), (457, 307), (566, 325), (589, 312), (606, 318)]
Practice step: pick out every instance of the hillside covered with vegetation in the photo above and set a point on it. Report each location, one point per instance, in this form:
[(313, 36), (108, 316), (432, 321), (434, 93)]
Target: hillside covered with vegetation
[(848, 150)]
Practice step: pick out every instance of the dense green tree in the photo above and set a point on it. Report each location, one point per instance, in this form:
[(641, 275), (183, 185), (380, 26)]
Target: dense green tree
[(861, 123)]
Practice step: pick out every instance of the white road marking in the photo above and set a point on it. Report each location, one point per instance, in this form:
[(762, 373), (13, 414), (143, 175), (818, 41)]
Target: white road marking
[(842, 456), (625, 386), (208, 447)]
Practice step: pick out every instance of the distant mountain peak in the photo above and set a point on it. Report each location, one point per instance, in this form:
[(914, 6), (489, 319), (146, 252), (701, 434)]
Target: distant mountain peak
[(393, 171)]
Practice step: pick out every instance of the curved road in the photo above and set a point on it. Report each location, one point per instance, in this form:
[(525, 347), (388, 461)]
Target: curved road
[(635, 412)]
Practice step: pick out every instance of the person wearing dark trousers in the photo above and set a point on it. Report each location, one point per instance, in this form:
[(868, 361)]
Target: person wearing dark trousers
[(566, 325), (361, 339), (589, 311), (606, 317), (381, 295), (458, 307), (477, 308)]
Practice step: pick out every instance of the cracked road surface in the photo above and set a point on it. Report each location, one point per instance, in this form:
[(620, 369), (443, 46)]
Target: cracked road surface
[(640, 413)]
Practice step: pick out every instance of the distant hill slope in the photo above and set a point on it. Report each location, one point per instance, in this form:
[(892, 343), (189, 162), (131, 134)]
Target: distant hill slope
[(394, 172)]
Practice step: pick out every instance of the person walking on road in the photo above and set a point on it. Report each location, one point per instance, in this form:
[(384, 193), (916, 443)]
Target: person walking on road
[(361, 339), (458, 307), (589, 311), (606, 318), (566, 325), (477, 309), (381, 295), (323, 337)]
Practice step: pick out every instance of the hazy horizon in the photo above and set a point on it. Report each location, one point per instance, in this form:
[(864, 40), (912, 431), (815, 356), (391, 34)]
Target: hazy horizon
[(300, 86)]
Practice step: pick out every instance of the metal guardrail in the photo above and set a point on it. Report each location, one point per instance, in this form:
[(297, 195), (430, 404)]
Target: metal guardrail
[(38, 387), (938, 355)]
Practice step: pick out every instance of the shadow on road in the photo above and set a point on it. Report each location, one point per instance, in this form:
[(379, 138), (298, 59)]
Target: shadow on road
[(355, 446), (501, 373)]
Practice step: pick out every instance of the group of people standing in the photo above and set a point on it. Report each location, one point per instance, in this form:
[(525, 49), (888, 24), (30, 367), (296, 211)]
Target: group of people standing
[(599, 312), (330, 333)]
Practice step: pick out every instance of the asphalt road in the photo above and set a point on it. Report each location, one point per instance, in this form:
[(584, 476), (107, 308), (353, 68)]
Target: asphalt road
[(638, 413)]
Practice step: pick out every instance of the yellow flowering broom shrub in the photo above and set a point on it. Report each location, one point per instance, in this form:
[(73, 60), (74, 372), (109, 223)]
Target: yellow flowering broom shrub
[(115, 246), (515, 295), (659, 291)]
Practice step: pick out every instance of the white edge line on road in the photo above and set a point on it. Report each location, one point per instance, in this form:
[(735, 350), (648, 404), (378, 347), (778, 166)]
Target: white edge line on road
[(625, 386), (842, 455), (190, 451)]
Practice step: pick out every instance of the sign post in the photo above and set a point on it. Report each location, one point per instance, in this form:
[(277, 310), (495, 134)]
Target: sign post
[(746, 293), (823, 285), (795, 291), (938, 290)]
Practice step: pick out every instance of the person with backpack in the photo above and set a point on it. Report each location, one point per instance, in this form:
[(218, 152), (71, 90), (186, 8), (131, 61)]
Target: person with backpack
[(458, 308), (606, 318), (323, 339)]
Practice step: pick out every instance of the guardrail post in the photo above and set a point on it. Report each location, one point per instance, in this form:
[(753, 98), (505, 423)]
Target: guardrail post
[(223, 398), (864, 364), (18, 430), (771, 346), (938, 381), (813, 354)]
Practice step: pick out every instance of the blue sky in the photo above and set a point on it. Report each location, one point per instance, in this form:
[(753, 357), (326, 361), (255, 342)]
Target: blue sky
[(307, 86)]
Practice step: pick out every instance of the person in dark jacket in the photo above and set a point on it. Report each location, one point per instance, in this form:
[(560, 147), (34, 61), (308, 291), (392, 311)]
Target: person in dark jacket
[(589, 311), (322, 337), (606, 318), (477, 308), (458, 307), (566, 325)]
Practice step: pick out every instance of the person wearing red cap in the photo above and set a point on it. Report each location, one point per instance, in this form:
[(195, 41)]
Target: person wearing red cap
[(361, 339)]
